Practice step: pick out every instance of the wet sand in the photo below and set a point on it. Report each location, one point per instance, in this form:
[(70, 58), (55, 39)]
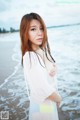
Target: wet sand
[(63, 115), (12, 97), (6, 63)]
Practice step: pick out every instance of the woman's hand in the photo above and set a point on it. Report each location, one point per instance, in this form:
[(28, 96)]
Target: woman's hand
[(58, 104)]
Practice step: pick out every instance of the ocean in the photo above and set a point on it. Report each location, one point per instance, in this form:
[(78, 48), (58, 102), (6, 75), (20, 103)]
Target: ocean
[(65, 47), (65, 43)]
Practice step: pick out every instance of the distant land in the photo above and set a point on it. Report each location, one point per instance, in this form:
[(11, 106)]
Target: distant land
[(3, 30)]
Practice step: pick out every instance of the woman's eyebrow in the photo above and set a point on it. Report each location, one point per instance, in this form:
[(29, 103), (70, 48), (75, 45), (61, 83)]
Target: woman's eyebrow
[(33, 26)]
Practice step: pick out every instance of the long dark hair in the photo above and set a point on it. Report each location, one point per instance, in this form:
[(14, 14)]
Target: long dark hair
[(24, 28)]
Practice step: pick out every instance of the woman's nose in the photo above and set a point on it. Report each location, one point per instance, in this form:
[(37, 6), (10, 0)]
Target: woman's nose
[(39, 32)]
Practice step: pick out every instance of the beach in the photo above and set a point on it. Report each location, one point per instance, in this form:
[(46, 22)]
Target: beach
[(13, 88), (62, 18), (13, 98), (6, 63)]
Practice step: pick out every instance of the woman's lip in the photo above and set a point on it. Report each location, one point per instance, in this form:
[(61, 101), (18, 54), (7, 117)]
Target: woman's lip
[(40, 39)]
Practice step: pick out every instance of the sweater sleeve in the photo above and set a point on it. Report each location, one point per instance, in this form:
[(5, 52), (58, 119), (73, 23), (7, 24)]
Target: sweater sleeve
[(37, 77)]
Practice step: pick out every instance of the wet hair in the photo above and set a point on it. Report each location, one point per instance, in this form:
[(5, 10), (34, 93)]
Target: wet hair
[(26, 44)]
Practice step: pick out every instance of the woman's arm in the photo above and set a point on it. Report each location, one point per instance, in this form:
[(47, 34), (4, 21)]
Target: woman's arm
[(55, 97)]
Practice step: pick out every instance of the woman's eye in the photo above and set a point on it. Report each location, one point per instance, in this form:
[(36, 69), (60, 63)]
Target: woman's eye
[(33, 29), (41, 28)]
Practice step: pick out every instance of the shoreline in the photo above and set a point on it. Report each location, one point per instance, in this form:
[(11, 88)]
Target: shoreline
[(6, 63)]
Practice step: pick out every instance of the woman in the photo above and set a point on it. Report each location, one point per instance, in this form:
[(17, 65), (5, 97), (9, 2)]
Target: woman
[(39, 68)]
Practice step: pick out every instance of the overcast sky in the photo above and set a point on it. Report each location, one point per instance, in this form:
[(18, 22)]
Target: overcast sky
[(52, 11)]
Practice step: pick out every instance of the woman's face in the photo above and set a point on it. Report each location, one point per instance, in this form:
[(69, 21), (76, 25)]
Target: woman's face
[(36, 34)]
